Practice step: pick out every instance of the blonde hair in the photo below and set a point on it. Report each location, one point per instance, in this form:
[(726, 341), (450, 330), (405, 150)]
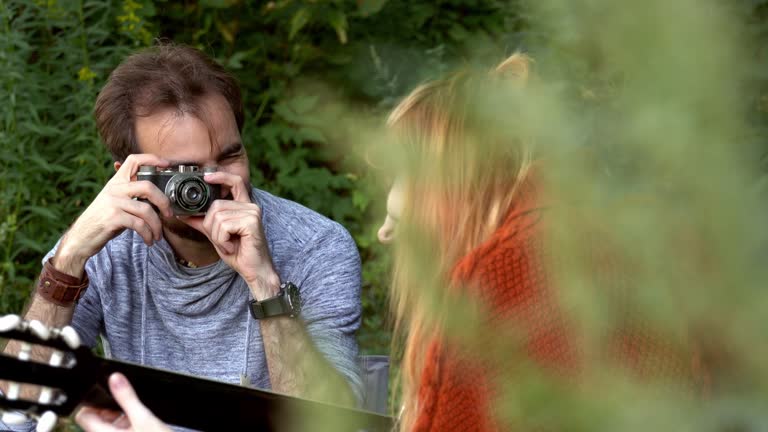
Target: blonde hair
[(459, 186)]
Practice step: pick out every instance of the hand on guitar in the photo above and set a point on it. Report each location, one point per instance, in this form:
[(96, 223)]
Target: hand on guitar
[(135, 416)]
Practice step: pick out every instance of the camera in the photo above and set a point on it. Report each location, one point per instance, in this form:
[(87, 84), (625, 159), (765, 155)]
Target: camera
[(184, 186)]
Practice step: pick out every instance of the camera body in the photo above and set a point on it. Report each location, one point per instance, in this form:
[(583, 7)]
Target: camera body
[(184, 186)]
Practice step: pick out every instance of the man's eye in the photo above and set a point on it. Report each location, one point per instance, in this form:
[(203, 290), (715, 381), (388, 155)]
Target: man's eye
[(230, 157)]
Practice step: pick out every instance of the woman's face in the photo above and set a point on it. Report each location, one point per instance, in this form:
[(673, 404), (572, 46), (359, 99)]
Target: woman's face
[(394, 211)]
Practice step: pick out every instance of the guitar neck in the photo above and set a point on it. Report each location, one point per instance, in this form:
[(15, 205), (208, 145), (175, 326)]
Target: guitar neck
[(205, 404), (175, 398)]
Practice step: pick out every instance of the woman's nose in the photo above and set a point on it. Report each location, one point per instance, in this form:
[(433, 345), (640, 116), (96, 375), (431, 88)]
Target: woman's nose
[(387, 231)]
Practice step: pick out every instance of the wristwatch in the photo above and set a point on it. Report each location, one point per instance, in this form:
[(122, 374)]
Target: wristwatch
[(287, 302)]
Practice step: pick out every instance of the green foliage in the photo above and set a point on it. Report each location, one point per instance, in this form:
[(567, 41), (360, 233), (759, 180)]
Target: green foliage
[(54, 56)]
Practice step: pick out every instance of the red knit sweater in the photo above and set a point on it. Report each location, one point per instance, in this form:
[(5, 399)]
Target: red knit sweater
[(508, 273)]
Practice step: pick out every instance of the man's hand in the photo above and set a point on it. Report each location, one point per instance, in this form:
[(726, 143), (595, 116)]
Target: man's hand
[(135, 417), (114, 210), (235, 230)]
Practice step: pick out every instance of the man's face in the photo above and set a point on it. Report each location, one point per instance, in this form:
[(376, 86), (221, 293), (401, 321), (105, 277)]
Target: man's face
[(183, 139)]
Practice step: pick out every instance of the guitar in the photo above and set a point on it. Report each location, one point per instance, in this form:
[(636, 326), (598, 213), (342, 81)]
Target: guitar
[(74, 376)]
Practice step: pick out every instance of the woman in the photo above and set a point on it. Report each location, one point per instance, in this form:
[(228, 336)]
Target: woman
[(470, 191)]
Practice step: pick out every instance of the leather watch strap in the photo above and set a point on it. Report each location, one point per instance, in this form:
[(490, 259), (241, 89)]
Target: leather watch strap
[(286, 303), (60, 288), (271, 307)]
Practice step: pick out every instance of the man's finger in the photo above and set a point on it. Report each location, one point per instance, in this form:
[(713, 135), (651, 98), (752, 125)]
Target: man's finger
[(109, 415), (130, 167), (229, 223), (145, 190), (139, 225), (126, 397), (145, 212), (122, 422), (198, 223), (220, 208), (90, 421), (235, 183)]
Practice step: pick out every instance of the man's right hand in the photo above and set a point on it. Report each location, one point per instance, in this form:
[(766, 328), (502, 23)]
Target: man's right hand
[(114, 210)]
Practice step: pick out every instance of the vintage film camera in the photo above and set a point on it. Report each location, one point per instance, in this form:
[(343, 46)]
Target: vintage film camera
[(189, 194)]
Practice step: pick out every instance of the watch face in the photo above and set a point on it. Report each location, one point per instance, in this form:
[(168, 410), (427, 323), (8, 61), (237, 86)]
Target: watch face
[(294, 298)]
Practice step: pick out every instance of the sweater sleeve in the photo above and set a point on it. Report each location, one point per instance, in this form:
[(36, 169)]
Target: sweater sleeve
[(454, 394), (27, 426), (328, 278)]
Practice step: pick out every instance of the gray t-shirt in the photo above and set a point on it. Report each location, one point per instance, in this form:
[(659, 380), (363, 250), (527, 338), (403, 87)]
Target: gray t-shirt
[(153, 311)]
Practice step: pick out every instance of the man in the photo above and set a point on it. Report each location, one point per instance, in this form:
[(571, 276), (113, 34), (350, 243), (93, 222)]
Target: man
[(175, 292)]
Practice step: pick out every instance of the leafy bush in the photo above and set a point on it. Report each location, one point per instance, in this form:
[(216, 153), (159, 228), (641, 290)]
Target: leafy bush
[(55, 55)]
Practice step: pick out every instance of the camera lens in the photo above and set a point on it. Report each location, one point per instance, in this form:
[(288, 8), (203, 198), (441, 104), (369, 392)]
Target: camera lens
[(192, 194)]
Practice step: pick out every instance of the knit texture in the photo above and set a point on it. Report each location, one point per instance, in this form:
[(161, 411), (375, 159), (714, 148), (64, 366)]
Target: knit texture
[(509, 274)]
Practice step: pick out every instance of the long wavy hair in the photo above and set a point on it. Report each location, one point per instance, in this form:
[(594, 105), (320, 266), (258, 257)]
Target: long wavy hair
[(459, 184)]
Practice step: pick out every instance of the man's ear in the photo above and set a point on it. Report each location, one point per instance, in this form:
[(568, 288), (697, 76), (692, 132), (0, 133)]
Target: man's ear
[(117, 165)]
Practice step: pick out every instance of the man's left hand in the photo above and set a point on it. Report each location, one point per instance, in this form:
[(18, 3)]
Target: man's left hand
[(135, 416), (234, 228)]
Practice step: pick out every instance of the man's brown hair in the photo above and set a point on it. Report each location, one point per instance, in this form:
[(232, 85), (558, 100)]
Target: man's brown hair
[(164, 76)]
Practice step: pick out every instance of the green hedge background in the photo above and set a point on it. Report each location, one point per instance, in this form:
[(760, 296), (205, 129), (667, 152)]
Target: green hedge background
[(56, 54)]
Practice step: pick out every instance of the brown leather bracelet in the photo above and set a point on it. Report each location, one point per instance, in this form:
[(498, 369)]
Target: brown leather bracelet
[(60, 288)]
